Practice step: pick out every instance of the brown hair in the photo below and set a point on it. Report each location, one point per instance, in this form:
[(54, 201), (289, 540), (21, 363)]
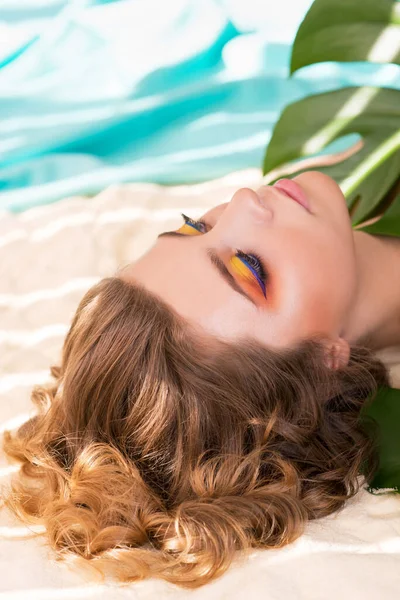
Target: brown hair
[(156, 455)]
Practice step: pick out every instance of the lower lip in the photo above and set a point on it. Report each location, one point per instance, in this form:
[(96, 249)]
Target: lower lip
[(293, 190)]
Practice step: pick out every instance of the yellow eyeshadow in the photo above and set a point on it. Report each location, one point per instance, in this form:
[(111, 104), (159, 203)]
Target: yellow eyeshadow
[(240, 268), (189, 230)]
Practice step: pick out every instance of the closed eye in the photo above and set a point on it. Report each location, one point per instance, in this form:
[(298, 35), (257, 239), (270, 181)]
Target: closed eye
[(193, 226)]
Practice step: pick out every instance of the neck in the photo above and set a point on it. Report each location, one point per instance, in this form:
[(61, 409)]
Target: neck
[(375, 318)]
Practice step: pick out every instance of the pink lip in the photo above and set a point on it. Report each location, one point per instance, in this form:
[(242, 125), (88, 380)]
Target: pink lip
[(293, 190)]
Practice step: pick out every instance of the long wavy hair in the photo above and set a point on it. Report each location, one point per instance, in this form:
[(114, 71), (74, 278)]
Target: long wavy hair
[(157, 454)]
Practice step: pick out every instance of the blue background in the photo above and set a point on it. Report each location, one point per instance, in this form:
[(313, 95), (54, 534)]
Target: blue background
[(170, 91)]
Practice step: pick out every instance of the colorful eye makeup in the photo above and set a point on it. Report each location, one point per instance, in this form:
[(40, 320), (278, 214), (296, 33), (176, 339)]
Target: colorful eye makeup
[(248, 267), (192, 227)]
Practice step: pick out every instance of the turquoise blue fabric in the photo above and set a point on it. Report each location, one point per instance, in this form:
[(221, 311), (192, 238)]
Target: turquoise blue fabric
[(170, 91)]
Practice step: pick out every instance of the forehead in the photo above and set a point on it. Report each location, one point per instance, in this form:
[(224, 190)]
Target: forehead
[(179, 271)]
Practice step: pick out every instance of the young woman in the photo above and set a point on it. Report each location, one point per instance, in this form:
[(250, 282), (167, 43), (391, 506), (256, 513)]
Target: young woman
[(209, 394)]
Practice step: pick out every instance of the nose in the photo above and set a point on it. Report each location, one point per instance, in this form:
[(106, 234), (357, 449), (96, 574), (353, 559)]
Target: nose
[(247, 199)]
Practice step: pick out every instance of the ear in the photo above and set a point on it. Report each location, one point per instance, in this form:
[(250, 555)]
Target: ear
[(337, 353)]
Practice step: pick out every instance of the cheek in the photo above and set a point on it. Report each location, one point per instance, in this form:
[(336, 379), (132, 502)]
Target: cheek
[(318, 281)]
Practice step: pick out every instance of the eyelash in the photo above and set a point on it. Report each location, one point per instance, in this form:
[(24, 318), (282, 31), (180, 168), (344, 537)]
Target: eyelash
[(253, 261), (194, 223)]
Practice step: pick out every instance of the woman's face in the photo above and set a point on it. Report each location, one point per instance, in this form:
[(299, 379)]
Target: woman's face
[(212, 273)]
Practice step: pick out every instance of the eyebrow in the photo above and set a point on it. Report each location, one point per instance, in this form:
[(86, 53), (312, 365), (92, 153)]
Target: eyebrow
[(218, 263)]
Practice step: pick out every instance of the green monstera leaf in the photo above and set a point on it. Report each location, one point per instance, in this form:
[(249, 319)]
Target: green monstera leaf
[(385, 411), (348, 30), (309, 125), (345, 30), (388, 223)]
